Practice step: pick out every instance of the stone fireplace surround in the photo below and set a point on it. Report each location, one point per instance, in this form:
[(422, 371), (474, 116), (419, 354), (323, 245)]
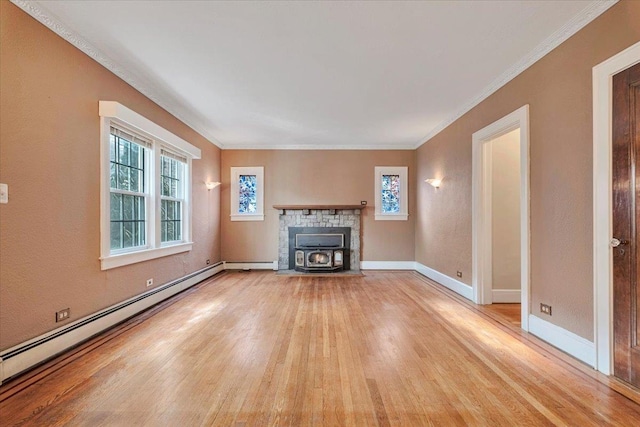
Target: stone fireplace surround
[(319, 216)]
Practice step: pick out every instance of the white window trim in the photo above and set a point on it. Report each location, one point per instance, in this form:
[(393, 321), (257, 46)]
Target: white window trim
[(111, 111), (258, 171), (402, 171)]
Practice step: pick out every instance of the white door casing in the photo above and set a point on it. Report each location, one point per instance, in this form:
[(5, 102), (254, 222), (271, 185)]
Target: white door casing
[(481, 208)]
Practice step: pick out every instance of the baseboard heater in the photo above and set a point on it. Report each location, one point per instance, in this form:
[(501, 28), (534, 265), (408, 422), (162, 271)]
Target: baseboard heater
[(24, 356)]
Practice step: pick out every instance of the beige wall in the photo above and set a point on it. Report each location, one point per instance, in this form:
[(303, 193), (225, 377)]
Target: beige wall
[(49, 156), (316, 177), (558, 90), (505, 211)]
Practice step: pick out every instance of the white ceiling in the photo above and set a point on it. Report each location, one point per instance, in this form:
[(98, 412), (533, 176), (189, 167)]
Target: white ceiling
[(316, 74)]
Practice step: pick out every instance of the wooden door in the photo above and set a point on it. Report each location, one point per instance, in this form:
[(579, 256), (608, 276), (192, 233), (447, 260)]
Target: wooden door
[(626, 222)]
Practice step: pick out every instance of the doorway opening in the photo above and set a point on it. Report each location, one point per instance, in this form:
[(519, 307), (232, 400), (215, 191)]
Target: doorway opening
[(500, 191)]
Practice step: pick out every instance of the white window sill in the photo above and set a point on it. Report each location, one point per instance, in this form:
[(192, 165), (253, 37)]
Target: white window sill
[(247, 217), (391, 217), (113, 261)]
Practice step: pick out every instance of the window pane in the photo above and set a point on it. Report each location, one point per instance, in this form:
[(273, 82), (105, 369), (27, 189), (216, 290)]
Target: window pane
[(171, 220), (127, 165), (171, 177), (177, 224), (116, 207), (127, 236), (135, 156), (166, 166), (123, 151), (169, 210), (170, 236), (166, 186), (116, 235), (139, 233), (178, 211), (112, 147), (113, 181), (141, 215), (248, 197), (119, 179), (174, 188), (127, 208), (127, 221), (390, 193), (134, 176), (130, 173)]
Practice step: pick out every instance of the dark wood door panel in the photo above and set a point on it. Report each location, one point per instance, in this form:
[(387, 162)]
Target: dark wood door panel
[(626, 217)]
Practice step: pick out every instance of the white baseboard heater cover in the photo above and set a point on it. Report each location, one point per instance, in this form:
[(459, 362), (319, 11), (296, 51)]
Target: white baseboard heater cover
[(18, 359)]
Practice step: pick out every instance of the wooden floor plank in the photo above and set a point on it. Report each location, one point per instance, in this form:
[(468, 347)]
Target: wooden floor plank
[(258, 349)]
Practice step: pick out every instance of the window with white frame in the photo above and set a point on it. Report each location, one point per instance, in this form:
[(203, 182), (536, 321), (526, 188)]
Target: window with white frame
[(247, 193), (146, 181), (172, 201), (129, 177), (391, 186)]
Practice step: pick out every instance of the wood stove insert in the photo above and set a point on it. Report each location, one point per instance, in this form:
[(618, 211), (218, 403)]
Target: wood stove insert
[(319, 249)]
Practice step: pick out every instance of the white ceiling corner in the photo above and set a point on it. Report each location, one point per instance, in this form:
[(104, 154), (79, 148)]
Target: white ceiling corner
[(49, 20), (316, 75), (586, 15)]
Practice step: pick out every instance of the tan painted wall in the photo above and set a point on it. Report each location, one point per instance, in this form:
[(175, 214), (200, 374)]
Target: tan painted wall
[(505, 211), (49, 156), (558, 90), (312, 177)]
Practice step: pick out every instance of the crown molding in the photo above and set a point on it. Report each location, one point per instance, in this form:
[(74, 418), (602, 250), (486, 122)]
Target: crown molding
[(319, 147), (579, 21), (39, 12)]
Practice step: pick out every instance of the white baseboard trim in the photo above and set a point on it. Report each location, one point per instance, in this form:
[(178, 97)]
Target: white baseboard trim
[(446, 281), (387, 265), (19, 358), (572, 344), (273, 265), (506, 296)]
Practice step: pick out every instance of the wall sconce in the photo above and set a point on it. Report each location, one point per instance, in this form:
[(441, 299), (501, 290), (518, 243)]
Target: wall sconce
[(211, 185), (434, 182)]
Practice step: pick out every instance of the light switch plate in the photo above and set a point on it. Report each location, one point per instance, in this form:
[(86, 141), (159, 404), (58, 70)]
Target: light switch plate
[(4, 193)]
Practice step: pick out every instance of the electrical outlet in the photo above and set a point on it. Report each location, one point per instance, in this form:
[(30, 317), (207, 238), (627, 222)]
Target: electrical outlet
[(63, 315), (208, 261), (149, 282), (545, 308), (459, 273)]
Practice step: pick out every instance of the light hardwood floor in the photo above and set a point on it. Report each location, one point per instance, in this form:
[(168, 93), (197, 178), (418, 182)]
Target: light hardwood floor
[(258, 349), (506, 313)]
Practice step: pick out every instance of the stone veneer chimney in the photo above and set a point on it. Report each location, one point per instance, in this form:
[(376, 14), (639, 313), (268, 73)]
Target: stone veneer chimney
[(319, 218)]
